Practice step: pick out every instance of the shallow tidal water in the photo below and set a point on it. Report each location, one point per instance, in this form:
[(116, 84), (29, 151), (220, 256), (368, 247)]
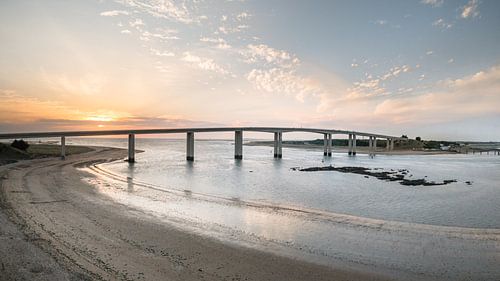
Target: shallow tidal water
[(324, 216)]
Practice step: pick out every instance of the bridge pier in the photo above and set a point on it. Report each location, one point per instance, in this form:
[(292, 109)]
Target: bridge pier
[(370, 145), (190, 146), (131, 148), (329, 145), (349, 145), (238, 145), (387, 144), (325, 144), (63, 147), (278, 145), (374, 145), (392, 144), (353, 145)]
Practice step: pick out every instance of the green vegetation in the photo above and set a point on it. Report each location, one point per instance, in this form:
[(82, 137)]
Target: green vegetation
[(20, 144), (49, 150), (9, 154), (437, 144)]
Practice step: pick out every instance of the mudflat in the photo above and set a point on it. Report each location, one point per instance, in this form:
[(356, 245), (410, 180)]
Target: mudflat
[(54, 226)]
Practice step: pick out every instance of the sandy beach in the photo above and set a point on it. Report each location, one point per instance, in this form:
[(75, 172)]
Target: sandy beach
[(56, 227)]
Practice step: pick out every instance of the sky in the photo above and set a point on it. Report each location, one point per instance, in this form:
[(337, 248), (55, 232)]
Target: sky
[(428, 68)]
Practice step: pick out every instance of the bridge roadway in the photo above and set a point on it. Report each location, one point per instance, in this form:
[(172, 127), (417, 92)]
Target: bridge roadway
[(277, 131)]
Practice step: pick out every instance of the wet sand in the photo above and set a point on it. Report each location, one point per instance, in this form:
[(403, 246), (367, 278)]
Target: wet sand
[(61, 228)]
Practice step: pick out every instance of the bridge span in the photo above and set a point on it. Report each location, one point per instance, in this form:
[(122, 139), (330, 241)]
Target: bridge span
[(238, 138)]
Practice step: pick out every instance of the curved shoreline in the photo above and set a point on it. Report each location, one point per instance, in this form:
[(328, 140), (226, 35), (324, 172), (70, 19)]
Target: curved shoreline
[(99, 239)]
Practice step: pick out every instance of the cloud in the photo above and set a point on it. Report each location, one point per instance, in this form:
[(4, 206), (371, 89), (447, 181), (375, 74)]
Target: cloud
[(434, 3), (277, 80), (430, 52), (125, 31), (85, 84), (242, 16), (167, 9), (268, 55), (220, 43), (114, 13), (470, 10), (471, 96), (159, 53), (441, 23), (136, 23), (203, 63), (381, 22)]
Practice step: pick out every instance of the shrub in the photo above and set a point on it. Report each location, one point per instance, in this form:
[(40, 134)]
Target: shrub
[(20, 144)]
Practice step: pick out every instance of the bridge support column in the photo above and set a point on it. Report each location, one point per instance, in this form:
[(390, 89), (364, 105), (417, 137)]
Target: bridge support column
[(387, 144), (349, 145), (353, 145), (392, 144), (63, 147), (190, 146), (374, 145), (325, 144), (280, 144), (238, 145), (329, 145), (275, 144), (131, 148)]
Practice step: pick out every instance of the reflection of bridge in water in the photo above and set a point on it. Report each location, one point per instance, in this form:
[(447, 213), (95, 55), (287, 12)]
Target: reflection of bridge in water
[(238, 138)]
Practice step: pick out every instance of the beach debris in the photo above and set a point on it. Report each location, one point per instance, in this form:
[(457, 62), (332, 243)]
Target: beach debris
[(391, 175)]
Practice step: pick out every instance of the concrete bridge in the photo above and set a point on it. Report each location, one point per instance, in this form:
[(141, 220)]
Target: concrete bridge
[(238, 138)]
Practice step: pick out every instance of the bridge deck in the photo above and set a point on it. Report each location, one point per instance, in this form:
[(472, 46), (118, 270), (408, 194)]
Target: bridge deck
[(185, 130)]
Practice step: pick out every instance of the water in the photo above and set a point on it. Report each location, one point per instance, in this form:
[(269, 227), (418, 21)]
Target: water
[(320, 216), (261, 178)]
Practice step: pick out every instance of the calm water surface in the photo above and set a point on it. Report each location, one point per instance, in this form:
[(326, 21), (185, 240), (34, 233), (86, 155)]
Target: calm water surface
[(259, 177), (445, 232)]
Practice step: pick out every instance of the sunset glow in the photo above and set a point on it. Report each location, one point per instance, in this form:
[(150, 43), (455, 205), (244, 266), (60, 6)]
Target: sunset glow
[(419, 68)]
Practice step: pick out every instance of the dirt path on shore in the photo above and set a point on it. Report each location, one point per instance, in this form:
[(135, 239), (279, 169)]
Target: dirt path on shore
[(65, 230)]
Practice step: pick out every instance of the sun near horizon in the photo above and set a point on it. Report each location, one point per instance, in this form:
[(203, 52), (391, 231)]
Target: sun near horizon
[(422, 68)]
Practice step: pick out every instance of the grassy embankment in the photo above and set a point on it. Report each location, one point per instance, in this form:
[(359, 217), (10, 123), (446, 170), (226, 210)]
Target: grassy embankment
[(9, 154)]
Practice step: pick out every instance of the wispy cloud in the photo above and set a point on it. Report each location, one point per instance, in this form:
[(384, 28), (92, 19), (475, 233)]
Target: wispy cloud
[(85, 84), (470, 10), (441, 23), (219, 42), (269, 55), (203, 63), (434, 3), (243, 16), (166, 9), (114, 13), (479, 92)]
